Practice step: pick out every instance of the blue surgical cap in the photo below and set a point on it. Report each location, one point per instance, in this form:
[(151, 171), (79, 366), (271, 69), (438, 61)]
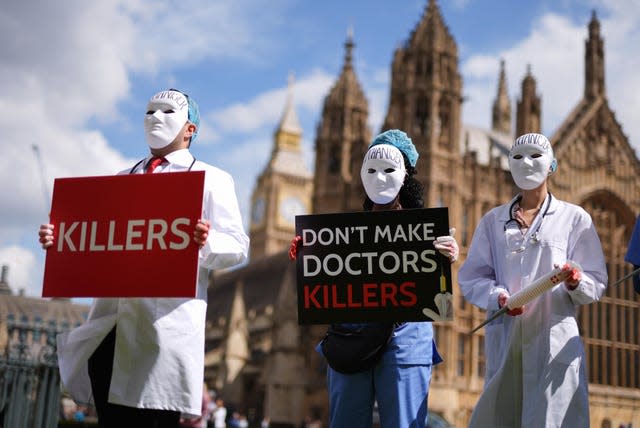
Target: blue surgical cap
[(400, 140), (194, 117), (194, 113)]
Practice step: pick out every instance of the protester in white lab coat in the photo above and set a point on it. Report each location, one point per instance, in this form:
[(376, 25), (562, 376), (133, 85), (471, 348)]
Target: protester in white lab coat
[(141, 360), (535, 359)]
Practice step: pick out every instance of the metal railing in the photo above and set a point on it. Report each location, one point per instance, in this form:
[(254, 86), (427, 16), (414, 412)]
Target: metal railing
[(29, 377)]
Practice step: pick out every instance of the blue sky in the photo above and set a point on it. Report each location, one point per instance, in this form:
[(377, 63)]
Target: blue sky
[(78, 75)]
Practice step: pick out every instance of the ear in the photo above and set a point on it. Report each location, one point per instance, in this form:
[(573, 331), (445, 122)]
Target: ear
[(191, 129), (553, 167)]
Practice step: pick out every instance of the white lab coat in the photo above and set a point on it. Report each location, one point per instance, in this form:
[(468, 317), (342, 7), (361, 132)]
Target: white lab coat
[(535, 362), (159, 348)]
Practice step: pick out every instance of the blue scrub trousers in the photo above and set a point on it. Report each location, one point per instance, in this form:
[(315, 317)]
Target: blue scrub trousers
[(401, 391)]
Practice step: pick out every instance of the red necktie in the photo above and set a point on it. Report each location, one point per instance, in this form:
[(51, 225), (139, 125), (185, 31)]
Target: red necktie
[(153, 164)]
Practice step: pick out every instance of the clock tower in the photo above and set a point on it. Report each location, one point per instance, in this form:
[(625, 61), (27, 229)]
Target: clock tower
[(283, 190)]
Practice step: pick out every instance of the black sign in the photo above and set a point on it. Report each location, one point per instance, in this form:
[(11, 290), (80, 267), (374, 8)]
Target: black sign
[(373, 266)]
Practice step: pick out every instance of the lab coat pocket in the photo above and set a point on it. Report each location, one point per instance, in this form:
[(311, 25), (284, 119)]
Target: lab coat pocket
[(557, 247), (553, 241), (565, 346)]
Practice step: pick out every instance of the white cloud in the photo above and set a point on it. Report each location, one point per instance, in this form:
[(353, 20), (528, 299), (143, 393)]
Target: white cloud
[(311, 90), (247, 117), (555, 50), (265, 109), (551, 49), (64, 72), (185, 32), (621, 34)]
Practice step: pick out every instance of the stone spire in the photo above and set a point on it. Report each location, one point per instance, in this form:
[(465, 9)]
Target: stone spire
[(425, 101), (348, 50), (341, 140), (594, 61), (286, 155), (426, 87), (501, 118), (289, 123), (529, 110), (283, 186), (346, 92)]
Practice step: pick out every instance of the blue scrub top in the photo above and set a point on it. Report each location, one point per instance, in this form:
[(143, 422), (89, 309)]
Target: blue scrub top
[(633, 252)]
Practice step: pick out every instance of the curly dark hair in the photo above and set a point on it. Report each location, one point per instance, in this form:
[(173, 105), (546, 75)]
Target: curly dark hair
[(410, 192)]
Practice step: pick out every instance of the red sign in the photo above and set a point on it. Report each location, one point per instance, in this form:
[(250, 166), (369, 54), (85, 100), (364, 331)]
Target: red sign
[(124, 236)]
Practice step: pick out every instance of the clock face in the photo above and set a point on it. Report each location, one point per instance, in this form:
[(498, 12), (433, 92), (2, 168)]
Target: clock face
[(290, 207), (257, 213)]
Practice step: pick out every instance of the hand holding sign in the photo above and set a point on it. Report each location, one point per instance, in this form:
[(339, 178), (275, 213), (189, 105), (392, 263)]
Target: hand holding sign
[(447, 245), (294, 246), (201, 233), (539, 286), (46, 235)]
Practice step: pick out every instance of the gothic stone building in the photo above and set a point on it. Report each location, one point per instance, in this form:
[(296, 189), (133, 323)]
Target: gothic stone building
[(28, 323), (29, 381), (262, 361)]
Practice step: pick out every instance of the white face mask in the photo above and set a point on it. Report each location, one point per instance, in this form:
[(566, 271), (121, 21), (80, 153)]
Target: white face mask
[(167, 112), (530, 165), (382, 173)]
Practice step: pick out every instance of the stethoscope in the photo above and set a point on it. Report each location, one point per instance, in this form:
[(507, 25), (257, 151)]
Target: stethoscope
[(534, 238), (141, 161)]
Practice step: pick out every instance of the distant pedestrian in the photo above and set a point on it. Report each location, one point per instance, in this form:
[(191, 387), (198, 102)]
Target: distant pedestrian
[(220, 414), (200, 421)]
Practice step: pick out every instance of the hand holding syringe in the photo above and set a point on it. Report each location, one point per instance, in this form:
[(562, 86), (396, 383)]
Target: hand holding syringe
[(539, 286)]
